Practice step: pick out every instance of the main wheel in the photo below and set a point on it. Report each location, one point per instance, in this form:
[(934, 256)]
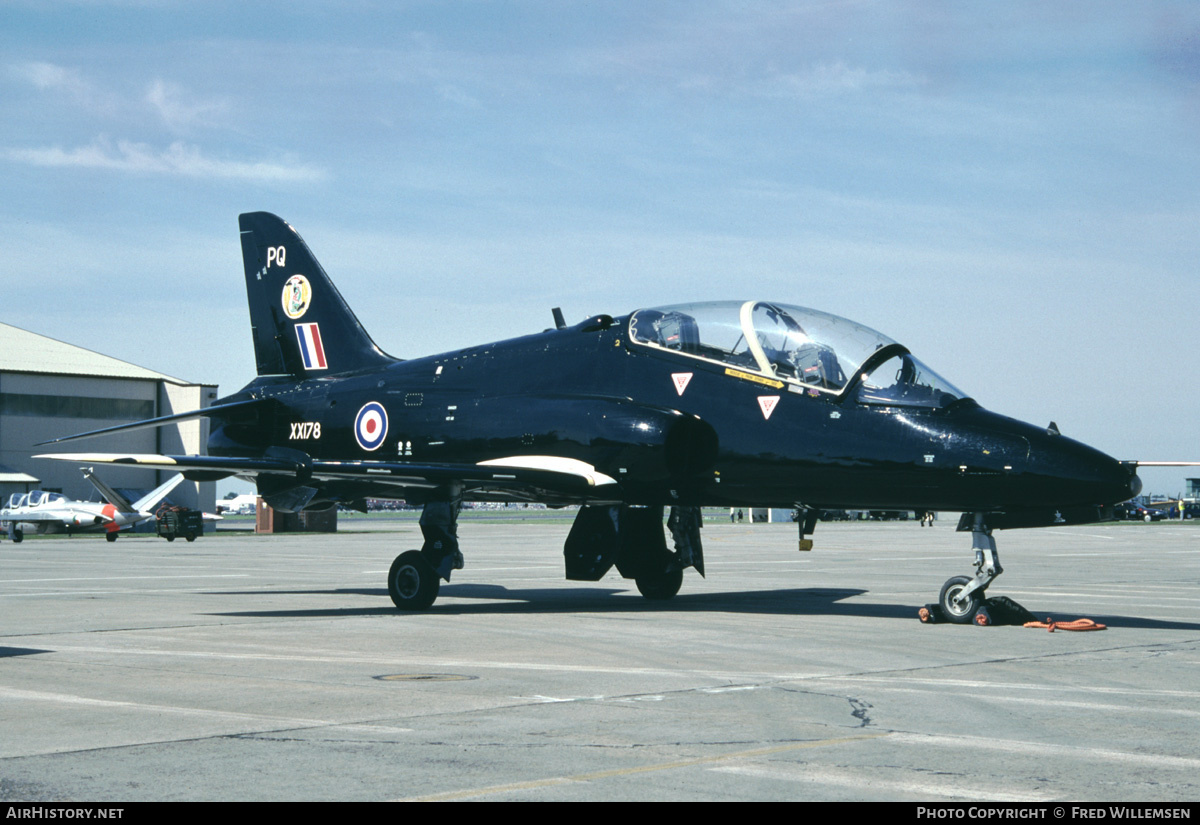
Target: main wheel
[(110, 536), (660, 586), (17, 535), (959, 612), (412, 582)]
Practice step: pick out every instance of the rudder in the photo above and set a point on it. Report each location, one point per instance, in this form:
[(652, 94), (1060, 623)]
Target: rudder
[(301, 324)]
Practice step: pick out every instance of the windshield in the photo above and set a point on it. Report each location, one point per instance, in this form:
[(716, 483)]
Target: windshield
[(795, 345), (904, 380)]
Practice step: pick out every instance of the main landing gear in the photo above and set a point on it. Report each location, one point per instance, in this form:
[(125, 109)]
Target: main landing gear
[(414, 579), (631, 538), (962, 596)]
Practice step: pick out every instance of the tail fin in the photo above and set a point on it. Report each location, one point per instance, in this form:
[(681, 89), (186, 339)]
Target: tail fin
[(110, 495), (302, 326)]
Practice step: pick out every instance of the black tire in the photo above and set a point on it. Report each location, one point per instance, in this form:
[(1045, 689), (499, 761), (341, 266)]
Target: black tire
[(110, 537), (412, 582), (661, 586), (190, 538), (963, 613), (17, 535)]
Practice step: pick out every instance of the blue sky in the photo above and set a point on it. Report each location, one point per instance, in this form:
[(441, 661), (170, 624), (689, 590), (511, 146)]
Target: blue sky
[(1009, 189)]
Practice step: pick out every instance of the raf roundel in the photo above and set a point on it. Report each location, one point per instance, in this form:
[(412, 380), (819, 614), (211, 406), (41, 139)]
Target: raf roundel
[(370, 426)]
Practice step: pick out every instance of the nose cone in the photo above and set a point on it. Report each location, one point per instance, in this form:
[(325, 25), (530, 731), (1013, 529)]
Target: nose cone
[(1074, 473), (1135, 483), (1023, 466)]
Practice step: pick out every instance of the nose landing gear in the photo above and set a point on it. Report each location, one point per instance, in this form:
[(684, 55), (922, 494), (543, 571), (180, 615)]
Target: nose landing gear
[(961, 596)]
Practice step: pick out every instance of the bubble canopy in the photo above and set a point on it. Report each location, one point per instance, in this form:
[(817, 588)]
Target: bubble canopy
[(803, 347)]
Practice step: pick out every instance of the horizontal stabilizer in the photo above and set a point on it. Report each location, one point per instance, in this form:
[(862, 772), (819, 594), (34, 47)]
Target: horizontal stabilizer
[(151, 499), (230, 466), (162, 421)]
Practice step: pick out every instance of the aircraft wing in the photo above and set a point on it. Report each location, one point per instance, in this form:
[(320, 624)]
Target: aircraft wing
[(561, 477), (550, 472)]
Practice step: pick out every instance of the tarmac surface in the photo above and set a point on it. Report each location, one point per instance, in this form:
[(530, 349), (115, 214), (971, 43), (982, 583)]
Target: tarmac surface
[(247, 667)]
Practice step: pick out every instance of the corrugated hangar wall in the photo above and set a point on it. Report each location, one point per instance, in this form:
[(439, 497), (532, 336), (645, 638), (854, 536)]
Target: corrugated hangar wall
[(45, 402)]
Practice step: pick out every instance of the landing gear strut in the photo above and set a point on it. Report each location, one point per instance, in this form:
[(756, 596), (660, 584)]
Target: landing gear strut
[(439, 526), (961, 596)]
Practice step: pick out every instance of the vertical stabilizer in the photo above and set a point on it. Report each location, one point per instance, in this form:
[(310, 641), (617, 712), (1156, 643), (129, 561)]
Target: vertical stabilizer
[(110, 495), (302, 326)]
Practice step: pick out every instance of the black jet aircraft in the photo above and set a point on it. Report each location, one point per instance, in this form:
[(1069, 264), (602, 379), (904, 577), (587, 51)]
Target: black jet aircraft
[(735, 404)]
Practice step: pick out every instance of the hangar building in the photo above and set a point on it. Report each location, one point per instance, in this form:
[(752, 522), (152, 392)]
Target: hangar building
[(49, 389)]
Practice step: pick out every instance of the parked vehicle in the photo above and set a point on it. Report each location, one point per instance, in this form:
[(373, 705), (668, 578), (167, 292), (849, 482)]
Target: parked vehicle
[(1136, 512)]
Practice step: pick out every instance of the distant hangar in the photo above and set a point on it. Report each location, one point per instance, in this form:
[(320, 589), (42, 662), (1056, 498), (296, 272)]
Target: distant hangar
[(49, 389)]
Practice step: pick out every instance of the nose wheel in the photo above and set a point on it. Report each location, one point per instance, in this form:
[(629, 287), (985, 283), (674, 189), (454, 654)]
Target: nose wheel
[(957, 605)]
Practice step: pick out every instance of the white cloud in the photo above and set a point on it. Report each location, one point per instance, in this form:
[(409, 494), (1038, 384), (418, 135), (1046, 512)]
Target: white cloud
[(838, 78), (169, 101), (64, 83), (177, 159), (178, 113), (49, 76)]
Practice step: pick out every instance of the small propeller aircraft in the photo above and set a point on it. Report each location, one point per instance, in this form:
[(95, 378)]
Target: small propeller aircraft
[(55, 513), (734, 404)]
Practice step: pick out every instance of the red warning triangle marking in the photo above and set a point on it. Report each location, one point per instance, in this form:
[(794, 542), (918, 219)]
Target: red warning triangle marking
[(767, 404), (681, 380)]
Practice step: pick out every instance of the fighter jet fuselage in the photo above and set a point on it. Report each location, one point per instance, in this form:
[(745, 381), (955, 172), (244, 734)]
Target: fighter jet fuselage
[(671, 431)]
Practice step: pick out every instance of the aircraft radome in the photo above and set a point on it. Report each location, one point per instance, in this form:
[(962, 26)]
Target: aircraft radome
[(738, 404)]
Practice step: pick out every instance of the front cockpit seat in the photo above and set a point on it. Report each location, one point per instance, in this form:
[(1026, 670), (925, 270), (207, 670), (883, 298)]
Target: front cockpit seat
[(679, 332)]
